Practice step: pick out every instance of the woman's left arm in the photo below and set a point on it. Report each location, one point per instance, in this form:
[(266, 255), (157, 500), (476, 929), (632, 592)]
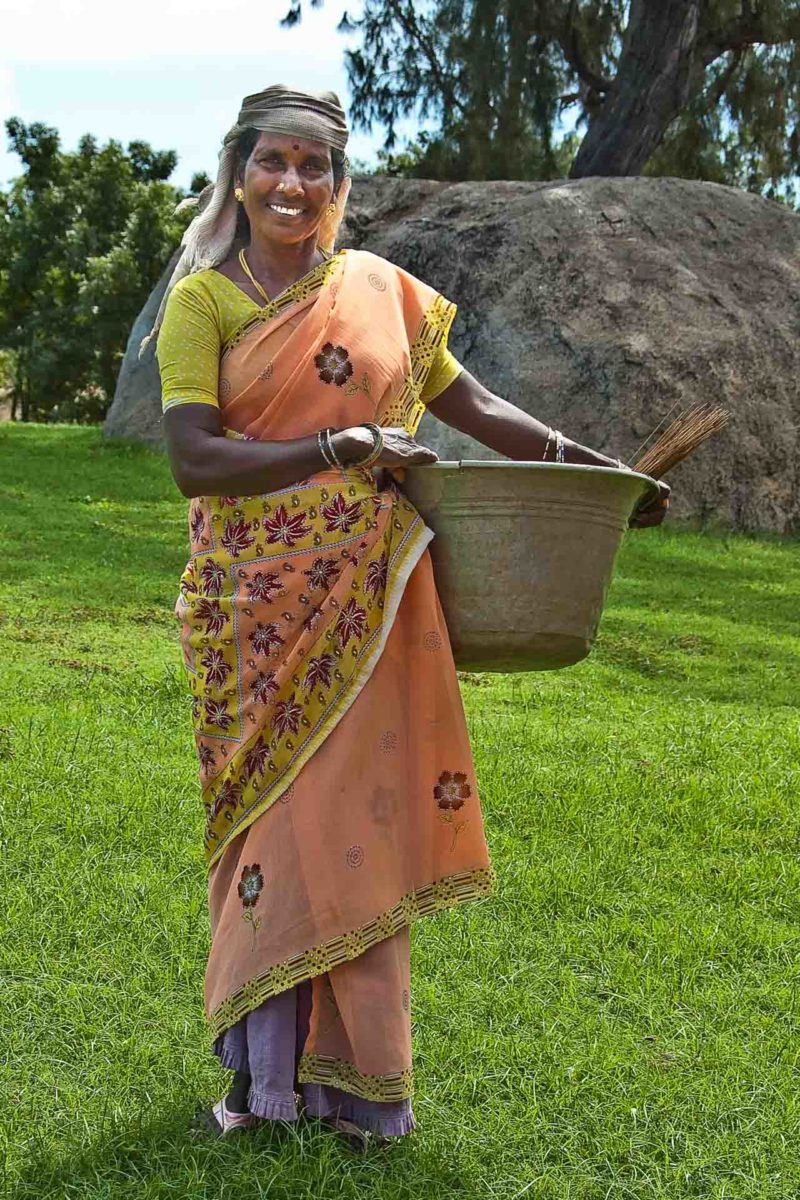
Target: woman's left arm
[(471, 408)]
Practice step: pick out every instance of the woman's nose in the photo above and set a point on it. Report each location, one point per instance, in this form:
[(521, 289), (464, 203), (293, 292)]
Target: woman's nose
[(291, 181)]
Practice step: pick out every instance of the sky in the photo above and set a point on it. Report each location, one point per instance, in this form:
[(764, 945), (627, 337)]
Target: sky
[(168, 72)]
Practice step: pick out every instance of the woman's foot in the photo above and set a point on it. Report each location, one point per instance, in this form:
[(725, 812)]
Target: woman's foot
[(229, 1114), (357, 1138), (219, 1120)]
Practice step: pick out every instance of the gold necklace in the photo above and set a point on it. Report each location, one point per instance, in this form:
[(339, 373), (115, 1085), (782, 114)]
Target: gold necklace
[(246, 268)]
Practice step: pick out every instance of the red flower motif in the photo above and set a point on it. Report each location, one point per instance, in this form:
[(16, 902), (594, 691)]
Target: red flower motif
[(213, 577), (377, 572), (319, 671), (206, 756), (217, 670), (264, 637), (377, 504), (452, 790), (351, 622), (187, 586), (217, 713), (322, 573), (211, 612), (283, 528), (264, 585), (256, 758), (196, 521), (287, 716), (339, 515), (230, 501), (264, 686), (228, 796), (237, 537)]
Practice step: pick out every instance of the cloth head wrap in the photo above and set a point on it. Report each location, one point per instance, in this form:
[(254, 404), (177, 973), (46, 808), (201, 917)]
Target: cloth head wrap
[(207, 241)]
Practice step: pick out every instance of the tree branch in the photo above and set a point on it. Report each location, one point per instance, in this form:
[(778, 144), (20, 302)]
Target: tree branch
[(751, 27), (408, 22)]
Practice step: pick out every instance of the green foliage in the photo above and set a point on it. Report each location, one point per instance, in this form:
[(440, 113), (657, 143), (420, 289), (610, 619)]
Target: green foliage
[(496, 83), (617, 1022), (83, 239)]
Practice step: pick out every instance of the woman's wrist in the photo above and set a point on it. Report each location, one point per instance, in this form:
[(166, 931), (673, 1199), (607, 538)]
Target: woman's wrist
[(352, 444)]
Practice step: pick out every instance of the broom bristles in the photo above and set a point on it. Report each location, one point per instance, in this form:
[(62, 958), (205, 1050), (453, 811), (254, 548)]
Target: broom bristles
[(680, 439)]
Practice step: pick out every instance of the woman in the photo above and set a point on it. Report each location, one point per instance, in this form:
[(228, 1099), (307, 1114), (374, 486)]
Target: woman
[(340, 797)]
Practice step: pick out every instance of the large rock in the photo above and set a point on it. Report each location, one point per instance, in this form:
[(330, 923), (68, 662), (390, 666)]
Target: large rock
[(598, 305)]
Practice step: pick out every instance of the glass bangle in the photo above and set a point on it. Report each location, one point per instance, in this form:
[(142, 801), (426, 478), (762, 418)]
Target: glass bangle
[(321, 444)]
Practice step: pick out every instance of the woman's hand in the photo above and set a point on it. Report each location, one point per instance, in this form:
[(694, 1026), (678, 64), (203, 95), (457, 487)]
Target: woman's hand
[(651, 512), (399, 447)]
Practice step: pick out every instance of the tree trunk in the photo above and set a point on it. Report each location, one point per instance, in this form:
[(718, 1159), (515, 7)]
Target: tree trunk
[(650, 89)]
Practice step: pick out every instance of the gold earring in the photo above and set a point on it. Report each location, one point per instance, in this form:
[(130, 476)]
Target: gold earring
[(331, 209), (239, 194)]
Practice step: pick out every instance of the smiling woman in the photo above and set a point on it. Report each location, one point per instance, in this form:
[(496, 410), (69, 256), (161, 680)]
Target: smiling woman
[(309, 621), (337, 777)]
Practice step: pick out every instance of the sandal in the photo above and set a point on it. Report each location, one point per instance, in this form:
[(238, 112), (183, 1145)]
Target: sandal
[(219, 1120), (357, 1138)]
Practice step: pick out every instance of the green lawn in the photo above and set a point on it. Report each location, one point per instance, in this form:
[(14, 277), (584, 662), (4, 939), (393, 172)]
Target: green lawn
[(620, 1019)]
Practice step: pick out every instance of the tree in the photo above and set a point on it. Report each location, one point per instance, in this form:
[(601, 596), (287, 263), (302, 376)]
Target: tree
[(83, 239), (699, 88)]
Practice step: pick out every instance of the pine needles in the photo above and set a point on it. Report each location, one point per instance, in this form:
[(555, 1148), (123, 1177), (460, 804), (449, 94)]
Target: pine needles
[(680, 439)]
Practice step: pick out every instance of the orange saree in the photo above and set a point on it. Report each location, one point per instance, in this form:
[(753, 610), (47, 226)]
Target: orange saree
[(339, 791)]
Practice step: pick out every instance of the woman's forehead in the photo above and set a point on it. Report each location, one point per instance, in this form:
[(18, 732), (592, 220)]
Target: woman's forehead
[(286, 142)]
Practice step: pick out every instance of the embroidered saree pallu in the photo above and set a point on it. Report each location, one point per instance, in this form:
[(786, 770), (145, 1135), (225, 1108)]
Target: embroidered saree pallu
[(338, 785)]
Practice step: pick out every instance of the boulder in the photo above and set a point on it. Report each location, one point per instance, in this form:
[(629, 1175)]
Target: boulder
[(599, 305)]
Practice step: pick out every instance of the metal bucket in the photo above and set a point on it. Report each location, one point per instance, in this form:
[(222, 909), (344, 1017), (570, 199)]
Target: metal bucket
[(523, 555)]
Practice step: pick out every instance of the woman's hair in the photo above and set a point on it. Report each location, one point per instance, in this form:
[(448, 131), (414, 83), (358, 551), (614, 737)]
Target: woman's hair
[(247, 143)]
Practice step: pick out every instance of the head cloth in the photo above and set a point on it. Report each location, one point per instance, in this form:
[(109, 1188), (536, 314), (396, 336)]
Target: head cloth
[(207, 241)]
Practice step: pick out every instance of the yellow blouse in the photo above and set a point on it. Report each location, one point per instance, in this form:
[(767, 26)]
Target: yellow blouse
[(202, 312)]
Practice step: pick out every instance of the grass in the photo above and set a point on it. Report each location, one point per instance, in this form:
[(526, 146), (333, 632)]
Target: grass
[(620, 1020)]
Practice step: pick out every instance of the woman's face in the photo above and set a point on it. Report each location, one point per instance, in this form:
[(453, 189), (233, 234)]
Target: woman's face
[(286, 172)]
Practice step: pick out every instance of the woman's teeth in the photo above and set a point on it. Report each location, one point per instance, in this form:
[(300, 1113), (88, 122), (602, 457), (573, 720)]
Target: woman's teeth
[(289, 212)]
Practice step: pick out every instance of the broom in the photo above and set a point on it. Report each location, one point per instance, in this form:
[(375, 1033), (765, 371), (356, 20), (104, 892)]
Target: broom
[(680, 439)]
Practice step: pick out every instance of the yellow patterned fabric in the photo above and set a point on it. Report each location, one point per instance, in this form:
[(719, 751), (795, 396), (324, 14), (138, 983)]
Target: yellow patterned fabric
[(205, 311)]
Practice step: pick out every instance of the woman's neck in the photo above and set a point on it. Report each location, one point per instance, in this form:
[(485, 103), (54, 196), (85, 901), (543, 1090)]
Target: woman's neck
[(283, 262)]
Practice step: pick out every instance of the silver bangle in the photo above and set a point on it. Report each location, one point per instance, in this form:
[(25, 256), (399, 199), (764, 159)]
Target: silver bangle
[(377, 444), (559, 446), (321, 444), (331, 450)]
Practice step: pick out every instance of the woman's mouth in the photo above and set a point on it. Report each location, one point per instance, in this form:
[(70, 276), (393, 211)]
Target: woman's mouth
[(285, 210)]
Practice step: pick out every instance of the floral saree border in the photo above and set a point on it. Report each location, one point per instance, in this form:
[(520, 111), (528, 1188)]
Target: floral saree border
[(420, 902)]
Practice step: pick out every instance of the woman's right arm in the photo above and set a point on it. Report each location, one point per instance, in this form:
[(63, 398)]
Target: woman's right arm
[(206, 463)]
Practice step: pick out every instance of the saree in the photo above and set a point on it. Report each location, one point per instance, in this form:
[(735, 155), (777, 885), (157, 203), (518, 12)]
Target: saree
[(338, 786)]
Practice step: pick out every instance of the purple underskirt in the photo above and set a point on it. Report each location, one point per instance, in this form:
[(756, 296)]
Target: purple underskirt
[(268, 1043)]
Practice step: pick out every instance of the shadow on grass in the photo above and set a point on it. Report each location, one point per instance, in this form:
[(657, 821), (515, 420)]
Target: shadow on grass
[(282, 1159)]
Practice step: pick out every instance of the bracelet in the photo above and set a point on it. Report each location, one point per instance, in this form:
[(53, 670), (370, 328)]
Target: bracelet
[(331, 451), (321, 444), (559, 446), (377, 447), (547, 443)]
